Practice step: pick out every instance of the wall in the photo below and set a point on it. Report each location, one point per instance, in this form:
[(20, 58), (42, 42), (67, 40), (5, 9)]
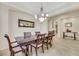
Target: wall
[(13, 23), (0, 25), (67, 17), (9, 24), (51, 23), (3, 26), (44, 26), (18, 31)]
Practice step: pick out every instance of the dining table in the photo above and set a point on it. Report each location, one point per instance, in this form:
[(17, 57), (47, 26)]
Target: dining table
[(26, 41)]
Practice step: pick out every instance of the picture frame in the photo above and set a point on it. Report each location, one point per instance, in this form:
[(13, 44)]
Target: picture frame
[(69, 24), (25, 23)]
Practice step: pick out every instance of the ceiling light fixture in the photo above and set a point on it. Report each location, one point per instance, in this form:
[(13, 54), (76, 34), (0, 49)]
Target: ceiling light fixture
[(41, 16)]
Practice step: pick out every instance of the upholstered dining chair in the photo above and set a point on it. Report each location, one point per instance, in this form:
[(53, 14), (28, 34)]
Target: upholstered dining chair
[(14, 47), (38, 43), (52, 32), (38, 32), (27, 34), (49, 39)]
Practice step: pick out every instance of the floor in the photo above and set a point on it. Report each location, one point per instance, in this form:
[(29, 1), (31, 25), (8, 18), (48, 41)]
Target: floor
[(60, 47)]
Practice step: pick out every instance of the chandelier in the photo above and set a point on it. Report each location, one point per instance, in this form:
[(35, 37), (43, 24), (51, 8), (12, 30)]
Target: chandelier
[(41, 16)]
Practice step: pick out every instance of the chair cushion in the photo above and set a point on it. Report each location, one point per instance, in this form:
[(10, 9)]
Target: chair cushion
[(45, 40), (17, 49), (14, 44), (37, 45), (48, 41), (24, 47)]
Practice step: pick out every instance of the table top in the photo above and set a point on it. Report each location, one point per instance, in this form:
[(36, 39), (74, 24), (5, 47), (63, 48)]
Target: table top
[(70, 32), (22, 40)]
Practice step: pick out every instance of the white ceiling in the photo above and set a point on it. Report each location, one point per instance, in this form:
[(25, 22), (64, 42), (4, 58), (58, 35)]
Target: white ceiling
[(51, 8)]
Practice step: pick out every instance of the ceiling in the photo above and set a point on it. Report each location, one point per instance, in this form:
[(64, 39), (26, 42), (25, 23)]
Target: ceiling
[(52, 8)]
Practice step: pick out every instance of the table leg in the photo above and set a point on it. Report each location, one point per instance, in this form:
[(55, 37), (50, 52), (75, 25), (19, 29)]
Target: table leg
[(63, 35), (27, 50), (74, 36)]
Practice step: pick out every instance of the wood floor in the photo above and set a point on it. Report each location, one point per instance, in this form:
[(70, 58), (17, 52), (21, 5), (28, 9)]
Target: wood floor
[(60, 47)]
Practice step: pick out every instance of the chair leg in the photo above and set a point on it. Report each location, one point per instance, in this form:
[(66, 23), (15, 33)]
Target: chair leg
[(50, 44), (36, 51), (27, 51), (42, 48), (47, 45), (31, 49), (12, 54)]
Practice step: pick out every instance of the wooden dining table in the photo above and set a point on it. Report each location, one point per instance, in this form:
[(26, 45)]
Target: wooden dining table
[(26, 41)]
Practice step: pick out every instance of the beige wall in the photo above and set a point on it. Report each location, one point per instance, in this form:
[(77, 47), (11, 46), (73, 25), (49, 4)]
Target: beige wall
[(13, 23), (51, 24), (44, 26), (18, 31), (0, 26), (9, 24), (3, 26), (67, 17)]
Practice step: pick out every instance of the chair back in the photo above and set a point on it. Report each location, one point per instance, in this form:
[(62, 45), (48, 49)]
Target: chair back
[(40, 38), (27, 34), (50, 35), (37, 33), (9, 42), (43, 36), (38, 41)]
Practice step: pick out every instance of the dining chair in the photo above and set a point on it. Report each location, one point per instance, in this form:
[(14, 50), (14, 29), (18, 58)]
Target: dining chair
[(38, 32), (52, 32), (38, 43), (14, 47), (49, 39), (27, 34)]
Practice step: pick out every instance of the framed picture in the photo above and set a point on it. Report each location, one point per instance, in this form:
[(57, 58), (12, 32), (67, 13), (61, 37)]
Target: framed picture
[(69, 24), (25, 23)]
